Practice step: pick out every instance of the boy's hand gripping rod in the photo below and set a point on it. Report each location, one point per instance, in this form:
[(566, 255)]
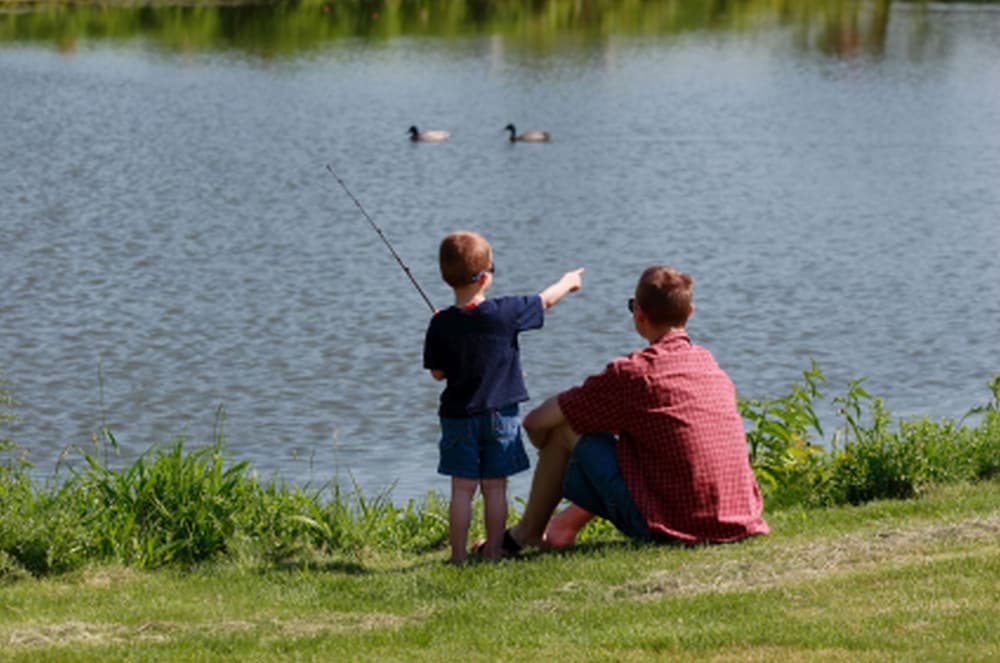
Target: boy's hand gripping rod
[(379, 231)]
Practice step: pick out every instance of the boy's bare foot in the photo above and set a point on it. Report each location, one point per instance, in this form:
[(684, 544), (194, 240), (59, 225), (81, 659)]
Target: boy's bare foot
[(484, 553)]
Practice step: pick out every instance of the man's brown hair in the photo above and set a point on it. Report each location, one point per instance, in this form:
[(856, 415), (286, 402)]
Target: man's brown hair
[(664, 295), (463, 255)]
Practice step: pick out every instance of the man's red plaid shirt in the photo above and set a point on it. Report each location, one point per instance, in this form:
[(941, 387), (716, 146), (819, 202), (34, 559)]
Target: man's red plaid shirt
[(681, 445)]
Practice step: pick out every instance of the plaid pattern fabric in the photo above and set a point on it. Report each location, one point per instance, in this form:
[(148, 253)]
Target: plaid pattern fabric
[(681, 445)]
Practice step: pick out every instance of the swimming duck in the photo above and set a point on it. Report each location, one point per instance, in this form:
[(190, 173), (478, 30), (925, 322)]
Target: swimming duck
[(418, 136), (527, 136)]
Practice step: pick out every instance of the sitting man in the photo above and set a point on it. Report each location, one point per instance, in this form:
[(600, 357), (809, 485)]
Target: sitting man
[(654, 443)]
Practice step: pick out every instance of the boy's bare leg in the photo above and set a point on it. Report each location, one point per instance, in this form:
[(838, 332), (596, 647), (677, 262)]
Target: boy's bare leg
[(546, 485), (495, 515), (459, 516), (565, 525)]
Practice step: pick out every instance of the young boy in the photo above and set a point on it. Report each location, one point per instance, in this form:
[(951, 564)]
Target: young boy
[(473, 345)]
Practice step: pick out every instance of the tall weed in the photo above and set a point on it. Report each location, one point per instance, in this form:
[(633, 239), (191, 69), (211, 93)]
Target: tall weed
[(786, 459), (985, 438), (867, 457), (40, 532), (169, 506), (875, 462), (279, 524), (357, 522)]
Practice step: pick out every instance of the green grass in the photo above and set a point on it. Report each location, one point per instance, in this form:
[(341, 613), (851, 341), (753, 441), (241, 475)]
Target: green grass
[(890, 580), (185, 555)]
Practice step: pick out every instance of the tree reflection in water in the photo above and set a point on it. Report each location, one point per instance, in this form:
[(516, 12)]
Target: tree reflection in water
[(845, 27)]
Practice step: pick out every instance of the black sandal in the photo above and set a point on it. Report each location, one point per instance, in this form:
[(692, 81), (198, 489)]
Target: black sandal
[(509, 545), (508, 548)]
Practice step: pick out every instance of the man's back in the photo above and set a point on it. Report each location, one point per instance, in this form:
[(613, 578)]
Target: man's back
[(681, 449)]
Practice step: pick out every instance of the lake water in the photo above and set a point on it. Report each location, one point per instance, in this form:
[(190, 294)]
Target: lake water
[(172, 241)]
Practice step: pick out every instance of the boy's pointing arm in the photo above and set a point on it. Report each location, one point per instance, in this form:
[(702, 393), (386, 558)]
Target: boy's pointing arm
[(570, 282)]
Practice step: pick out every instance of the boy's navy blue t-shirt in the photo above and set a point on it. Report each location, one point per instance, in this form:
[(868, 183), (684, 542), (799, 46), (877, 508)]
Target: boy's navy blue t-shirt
[(477, 350)]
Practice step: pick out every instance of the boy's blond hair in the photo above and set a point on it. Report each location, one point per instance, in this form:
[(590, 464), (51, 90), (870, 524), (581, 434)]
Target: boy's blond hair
[(664, 295), (463, 255)]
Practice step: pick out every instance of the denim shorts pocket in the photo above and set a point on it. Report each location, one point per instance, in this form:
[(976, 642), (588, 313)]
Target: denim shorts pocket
[(506, 425)]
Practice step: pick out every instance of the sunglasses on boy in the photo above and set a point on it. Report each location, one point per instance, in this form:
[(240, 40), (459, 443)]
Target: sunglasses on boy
[(491, 270), (631, 304)]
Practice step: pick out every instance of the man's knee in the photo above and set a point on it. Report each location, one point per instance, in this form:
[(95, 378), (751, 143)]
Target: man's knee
[(566, 437)]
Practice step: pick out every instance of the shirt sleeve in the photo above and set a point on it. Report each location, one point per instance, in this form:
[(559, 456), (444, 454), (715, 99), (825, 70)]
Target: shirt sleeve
[(531, 312), (599, 404)]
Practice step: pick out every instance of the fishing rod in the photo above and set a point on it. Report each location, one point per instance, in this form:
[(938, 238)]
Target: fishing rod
[(380, 234)]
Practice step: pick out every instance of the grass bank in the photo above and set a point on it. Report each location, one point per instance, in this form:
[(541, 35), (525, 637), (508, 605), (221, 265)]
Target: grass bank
[(891, 580), (177, 507), (885, 547)]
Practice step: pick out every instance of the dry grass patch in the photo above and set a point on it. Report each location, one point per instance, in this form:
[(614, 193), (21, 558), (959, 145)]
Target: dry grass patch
[(774, 653), (108, 576), (67, 633), (77, 633), (814, 560)]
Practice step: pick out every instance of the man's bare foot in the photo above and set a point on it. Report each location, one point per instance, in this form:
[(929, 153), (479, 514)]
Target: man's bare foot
[(564, 526)]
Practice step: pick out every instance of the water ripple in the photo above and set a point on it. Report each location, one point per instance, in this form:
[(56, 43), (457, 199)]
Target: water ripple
[(173, 242)]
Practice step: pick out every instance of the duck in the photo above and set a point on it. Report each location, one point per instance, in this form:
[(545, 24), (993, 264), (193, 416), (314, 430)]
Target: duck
[(528, 136), (418, 136)]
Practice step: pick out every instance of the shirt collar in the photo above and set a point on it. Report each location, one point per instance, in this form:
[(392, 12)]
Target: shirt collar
[(672, 336)]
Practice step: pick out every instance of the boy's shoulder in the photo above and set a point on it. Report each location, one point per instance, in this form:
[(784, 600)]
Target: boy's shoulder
[(515, 300), (513, 307)]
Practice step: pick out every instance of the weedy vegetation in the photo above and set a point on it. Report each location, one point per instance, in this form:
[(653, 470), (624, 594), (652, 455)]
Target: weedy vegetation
[(176, 506), (867, 458)]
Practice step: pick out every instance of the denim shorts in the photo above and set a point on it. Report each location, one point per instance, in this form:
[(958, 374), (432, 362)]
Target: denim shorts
[(594, 482), (483, 446)]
